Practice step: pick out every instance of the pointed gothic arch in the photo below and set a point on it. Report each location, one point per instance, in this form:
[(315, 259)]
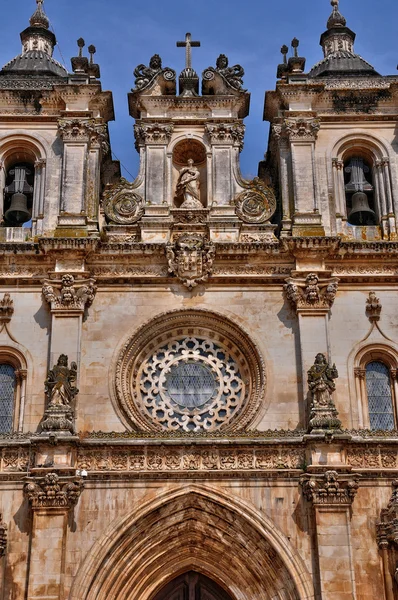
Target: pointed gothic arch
[(193, 528)]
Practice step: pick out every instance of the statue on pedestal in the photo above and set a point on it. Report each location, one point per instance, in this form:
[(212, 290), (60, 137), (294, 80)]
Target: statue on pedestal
[(188, 186), (60, 390), (321, 386)]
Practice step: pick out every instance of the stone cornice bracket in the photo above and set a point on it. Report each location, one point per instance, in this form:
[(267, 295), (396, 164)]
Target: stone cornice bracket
[(68, 294), (3, 536), (53, 492), (387, 528), (152, 133), (373, 307), (297, 130), (226, 133), (330, 488), (311, 293)]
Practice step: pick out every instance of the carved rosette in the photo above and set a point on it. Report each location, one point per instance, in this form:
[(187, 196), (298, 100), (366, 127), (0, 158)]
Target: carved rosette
[(330, 488), (6, 309), (311, 293), (152, 133), (226, 133), (191, 259), (387, 528), (53, 491), (256, 204), (373, 307), (297, 130), (122, 205), (69, 294), (3, 537)]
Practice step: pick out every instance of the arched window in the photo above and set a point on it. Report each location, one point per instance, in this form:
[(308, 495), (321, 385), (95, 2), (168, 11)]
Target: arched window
[(19, 187), (359, 192), (379, 392), (7, 397)]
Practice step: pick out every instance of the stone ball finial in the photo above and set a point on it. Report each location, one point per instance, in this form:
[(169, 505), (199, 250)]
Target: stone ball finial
[(336, 19), (39, 17)]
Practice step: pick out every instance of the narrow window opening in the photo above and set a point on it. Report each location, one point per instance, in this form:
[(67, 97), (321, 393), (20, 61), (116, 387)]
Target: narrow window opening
[(378, 385), (7, 397)]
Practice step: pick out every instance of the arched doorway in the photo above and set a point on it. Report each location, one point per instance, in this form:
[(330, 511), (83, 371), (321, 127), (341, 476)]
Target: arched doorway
[(192, 586)]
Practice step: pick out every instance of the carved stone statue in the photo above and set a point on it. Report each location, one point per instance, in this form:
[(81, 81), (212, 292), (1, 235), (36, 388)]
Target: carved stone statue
[(233, 75), (60, 383), (188, 186), (143, 74), (321, 385)]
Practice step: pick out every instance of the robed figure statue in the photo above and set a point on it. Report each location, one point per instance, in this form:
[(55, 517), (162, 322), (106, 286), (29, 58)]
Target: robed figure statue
[(60, 383), (188, 186)]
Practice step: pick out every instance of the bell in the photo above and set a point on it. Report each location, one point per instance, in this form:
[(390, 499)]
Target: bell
[(361, 213), (18, 212)]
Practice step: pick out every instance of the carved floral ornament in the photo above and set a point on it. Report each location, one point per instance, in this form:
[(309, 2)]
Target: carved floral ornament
[(191, 259), (189, 371), (330, 488), (69, 294), (296, 130), (122, 205), (226, 133), (312, 292), (84, 130), (256, 204), (53, 492)]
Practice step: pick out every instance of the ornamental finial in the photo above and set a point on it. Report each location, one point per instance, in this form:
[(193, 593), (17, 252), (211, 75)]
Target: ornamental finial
[(336, 19), (39, 17)]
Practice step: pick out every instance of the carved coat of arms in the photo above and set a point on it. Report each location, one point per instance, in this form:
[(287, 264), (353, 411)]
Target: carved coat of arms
[(191, 259)]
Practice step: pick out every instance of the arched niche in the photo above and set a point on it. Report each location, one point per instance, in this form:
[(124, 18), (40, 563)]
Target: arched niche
[(193, 528), (185, 150)]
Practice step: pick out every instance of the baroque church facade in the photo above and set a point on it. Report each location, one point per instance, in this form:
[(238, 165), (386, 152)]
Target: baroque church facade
[(198, 373)]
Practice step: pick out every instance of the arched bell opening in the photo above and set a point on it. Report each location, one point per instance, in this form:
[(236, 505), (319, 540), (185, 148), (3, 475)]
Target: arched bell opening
[(192, 585), (189, 175), (18, 194), (359, 189)]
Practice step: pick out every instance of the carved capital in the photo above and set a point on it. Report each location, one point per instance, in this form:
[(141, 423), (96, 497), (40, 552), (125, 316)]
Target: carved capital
[(360, 373), (297, 130), (84, 130), (338, 164), (3, 536), (191, 259), (53, 492), (373, 307), (68, 294), (313, 292), (226, 133), (6, 308), (152, 133), (330, 489), (40, 164)]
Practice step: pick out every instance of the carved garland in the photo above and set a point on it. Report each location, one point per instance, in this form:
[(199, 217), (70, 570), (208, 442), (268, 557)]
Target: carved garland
[(181, 344)]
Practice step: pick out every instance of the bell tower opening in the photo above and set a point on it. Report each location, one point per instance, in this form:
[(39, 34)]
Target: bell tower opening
[(359, 192), (18, 194), (192, 586)]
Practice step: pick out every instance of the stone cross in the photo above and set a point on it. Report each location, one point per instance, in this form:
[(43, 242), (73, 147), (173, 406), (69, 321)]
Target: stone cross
[(188, 45)]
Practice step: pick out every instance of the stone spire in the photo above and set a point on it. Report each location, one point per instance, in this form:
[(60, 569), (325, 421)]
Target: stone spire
[(39, 17), (337, 43)]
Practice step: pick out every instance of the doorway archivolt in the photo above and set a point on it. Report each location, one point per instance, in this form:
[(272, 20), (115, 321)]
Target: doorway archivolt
[(193, 529)]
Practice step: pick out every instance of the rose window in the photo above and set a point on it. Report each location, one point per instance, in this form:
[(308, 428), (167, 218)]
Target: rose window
[(189, 371), (191, 383)]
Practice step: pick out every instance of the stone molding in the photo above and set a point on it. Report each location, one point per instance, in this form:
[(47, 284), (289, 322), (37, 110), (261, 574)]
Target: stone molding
[(330, 488), (153, 133), (226, 133), (3, 537), (312, 292), (297, 130), (69, 294), (53, 491)]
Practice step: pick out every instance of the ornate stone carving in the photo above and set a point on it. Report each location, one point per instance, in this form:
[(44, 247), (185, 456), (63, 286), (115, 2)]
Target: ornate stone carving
[(232, 76), (53, 492), (304, 130), (330, 488), (373, 307), (122, 205), (3, 537), (6, 309), (226, 133), (188, 187), (387, 528), (15, 459), (321, 387), (191, 259), (152, 133), (83, 130), (220, 361), (256, 204), (311, 292), (60, 391), (68, 294), (145, 76)]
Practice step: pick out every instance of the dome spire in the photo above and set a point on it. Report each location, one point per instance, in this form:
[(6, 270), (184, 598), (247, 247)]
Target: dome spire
[(336, 19), (39, 17)]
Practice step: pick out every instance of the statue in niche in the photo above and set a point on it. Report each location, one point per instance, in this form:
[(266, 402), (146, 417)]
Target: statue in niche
[(60, 383), (188, 186), (320, 381)]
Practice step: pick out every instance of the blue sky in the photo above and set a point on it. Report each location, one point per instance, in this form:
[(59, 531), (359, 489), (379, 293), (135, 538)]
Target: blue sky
[(250, 32)]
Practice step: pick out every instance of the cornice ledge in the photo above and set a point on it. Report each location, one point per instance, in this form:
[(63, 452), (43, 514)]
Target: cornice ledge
[(85, 245), (200, 437), (304, 246)]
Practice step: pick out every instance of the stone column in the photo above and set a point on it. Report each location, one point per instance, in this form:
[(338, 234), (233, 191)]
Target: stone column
[(312, 297), (51, 498), (331, 496), (387, 539), (339, 194), (98, 144)]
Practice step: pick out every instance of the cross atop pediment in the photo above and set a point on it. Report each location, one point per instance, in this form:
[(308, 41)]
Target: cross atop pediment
[(188, 45)]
